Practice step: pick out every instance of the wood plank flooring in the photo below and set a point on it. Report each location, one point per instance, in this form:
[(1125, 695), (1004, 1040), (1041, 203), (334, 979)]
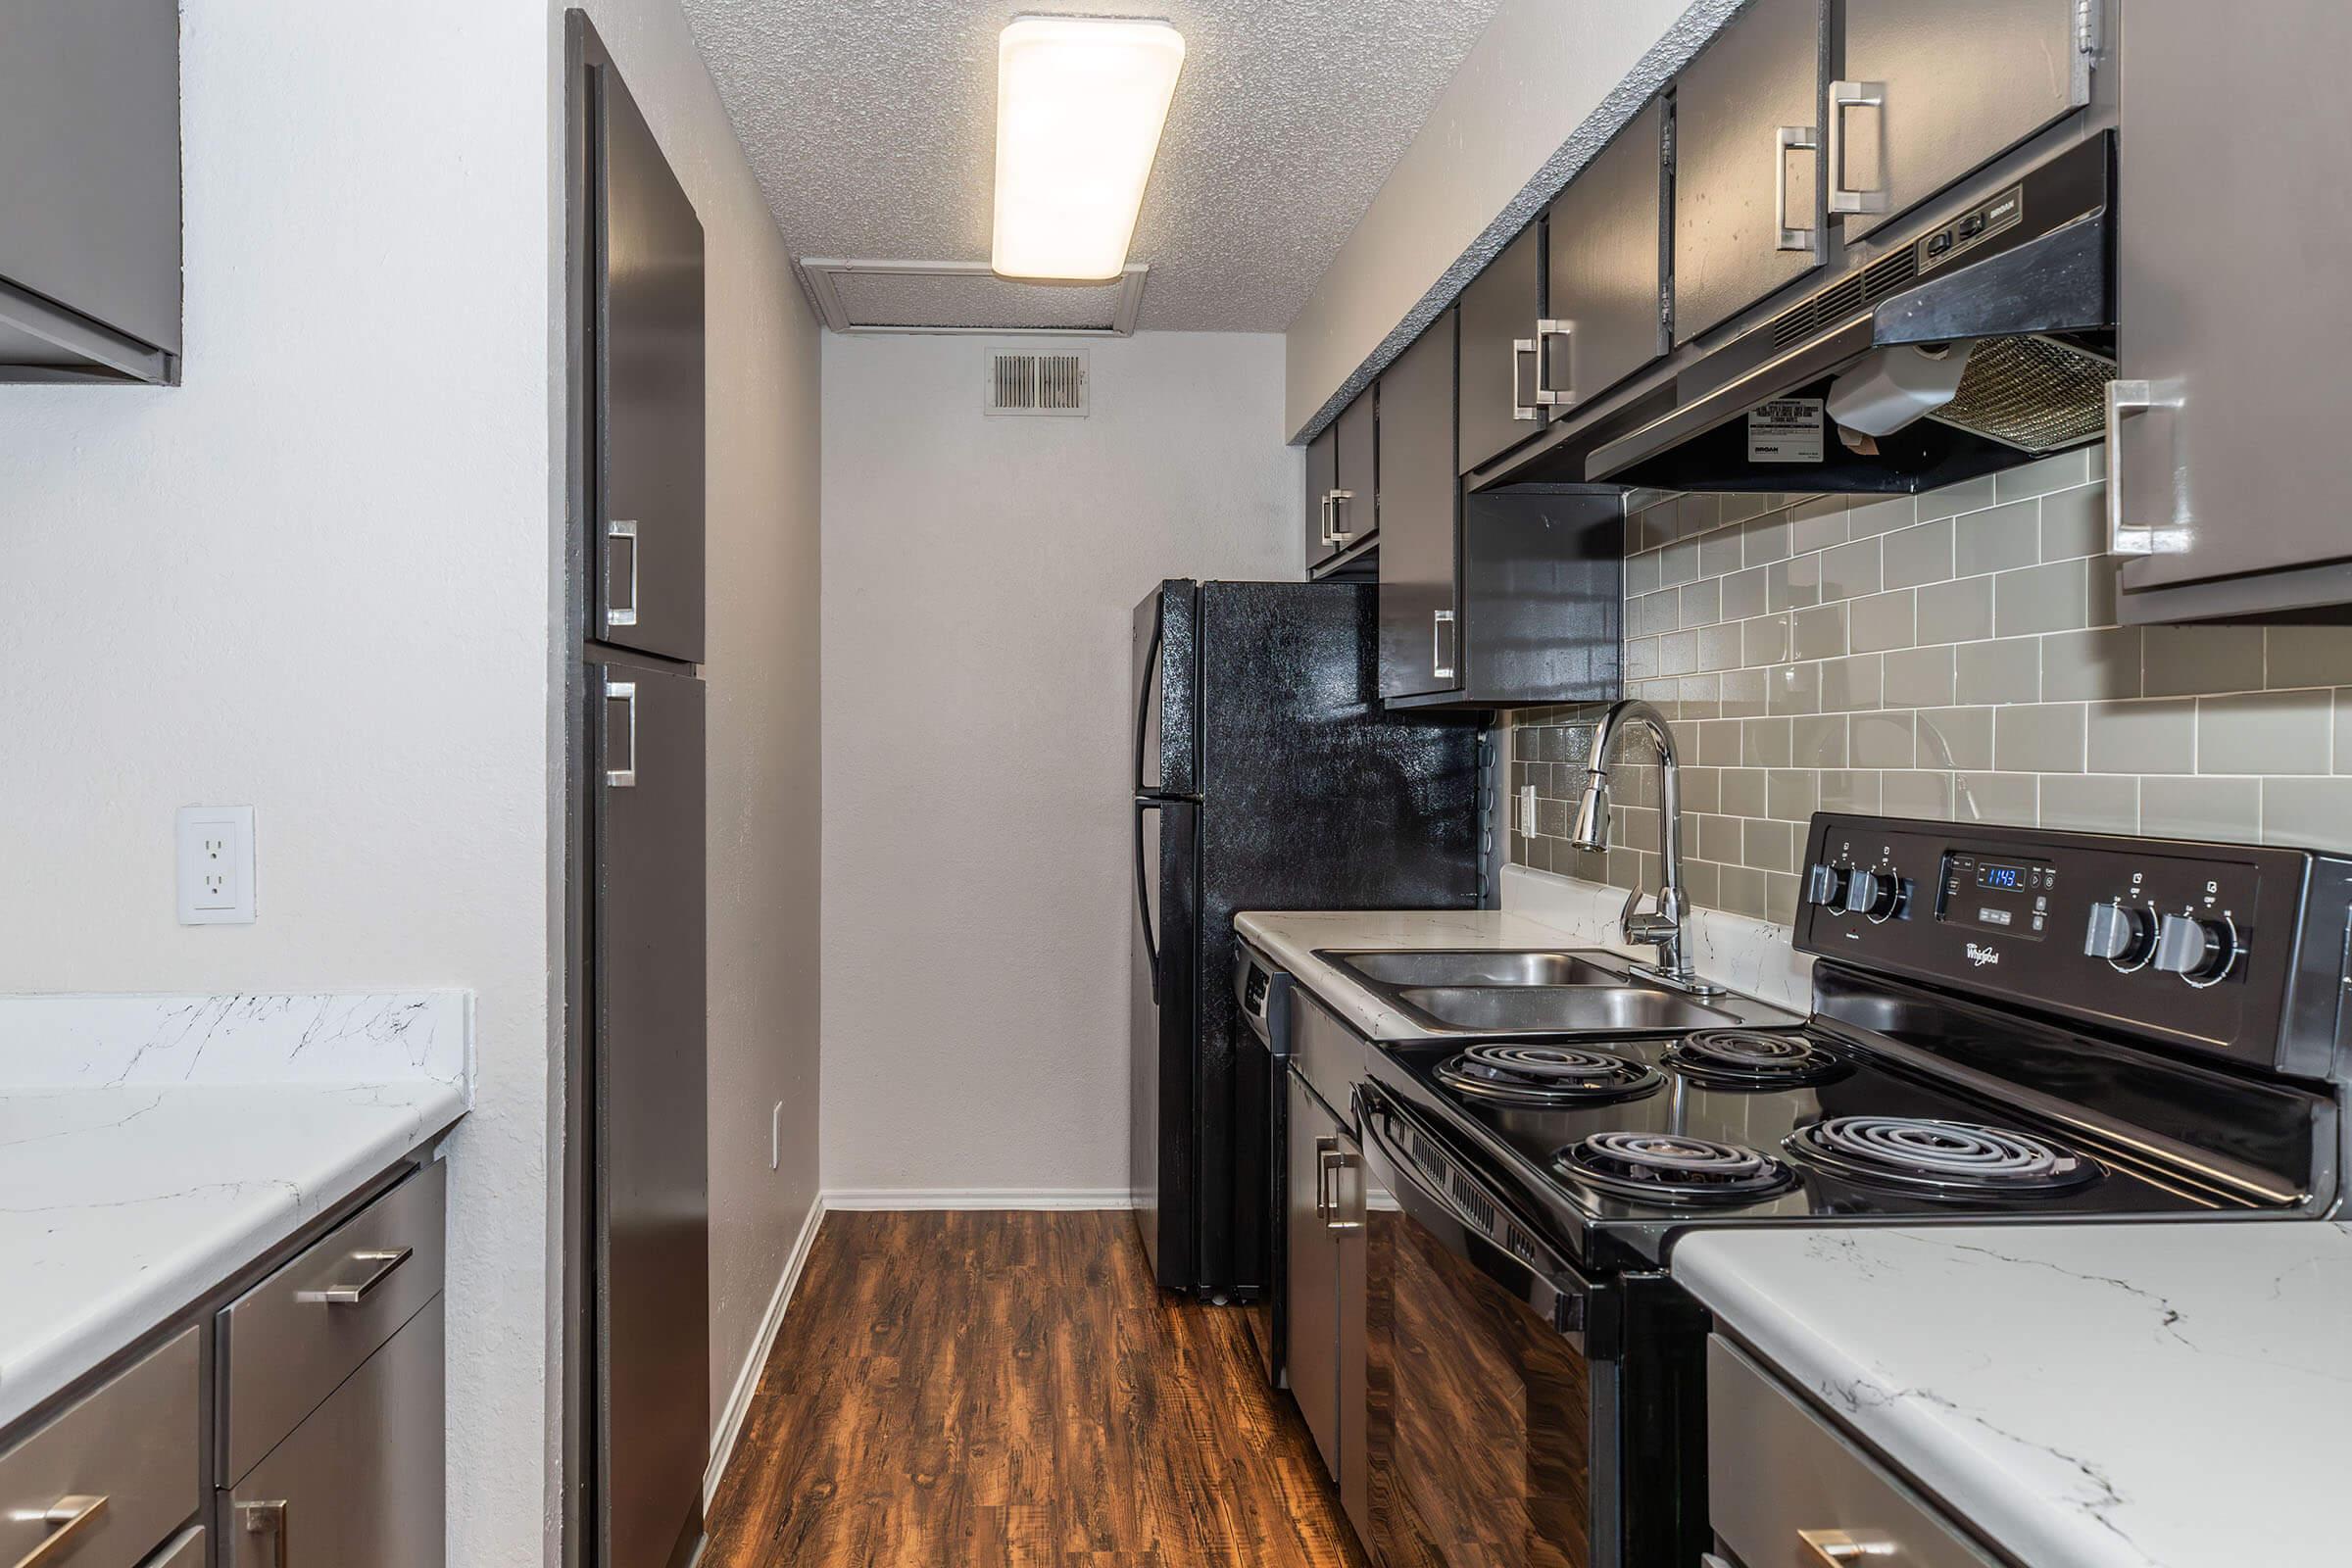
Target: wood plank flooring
[(1010, 1390)]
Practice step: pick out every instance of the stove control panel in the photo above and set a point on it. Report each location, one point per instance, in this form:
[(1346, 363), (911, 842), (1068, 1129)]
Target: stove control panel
[(2234, 950)]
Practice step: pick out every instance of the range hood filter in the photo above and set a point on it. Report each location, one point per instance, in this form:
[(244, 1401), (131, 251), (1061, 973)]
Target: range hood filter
[(2034, 393)]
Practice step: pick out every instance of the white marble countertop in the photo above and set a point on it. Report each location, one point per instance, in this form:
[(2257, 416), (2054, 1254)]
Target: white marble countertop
[(152, 1147), (2169, 1395)]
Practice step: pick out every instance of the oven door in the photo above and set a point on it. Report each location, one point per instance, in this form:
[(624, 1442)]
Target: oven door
[(1480, 1430)]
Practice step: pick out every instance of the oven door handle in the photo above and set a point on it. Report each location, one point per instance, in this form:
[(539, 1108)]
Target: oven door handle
[(1546, 1283)]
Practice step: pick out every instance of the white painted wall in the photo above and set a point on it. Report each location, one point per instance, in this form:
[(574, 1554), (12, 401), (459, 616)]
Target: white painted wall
[(1543, 89), (980, 576), (318, 579), (761, 671), (315, 579)]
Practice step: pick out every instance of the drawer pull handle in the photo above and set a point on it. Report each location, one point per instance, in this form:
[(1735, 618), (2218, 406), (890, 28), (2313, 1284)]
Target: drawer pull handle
[(385, 1261), (266, 1519), (1836, 1549), (67, 1518)]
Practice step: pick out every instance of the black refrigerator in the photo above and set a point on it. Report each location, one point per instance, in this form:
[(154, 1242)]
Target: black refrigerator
[(1267, 776), (637, 1215)]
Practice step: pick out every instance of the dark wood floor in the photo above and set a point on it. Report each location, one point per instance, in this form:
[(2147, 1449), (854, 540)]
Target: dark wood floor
[(969, 1390)]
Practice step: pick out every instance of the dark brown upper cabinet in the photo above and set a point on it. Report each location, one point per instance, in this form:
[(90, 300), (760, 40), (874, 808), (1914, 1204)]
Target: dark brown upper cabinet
[(1342, 482), (1604, 301), (1930, 92), (1499, 315), (1747, 164), (1419, 511)]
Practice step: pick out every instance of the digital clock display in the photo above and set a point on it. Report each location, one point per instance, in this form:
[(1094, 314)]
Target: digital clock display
[(2001, 878)]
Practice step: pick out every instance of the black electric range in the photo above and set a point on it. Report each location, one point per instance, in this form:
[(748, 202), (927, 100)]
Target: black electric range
[(2007, 1025)]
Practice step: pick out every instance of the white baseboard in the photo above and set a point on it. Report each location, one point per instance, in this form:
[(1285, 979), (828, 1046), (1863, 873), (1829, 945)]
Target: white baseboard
[(747, 1378), (976, 1198)]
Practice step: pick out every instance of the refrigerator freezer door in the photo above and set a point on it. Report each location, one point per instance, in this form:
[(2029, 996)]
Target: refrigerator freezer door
[(647, 522), (1162, 1007), (1167, 699), (651, 1192)]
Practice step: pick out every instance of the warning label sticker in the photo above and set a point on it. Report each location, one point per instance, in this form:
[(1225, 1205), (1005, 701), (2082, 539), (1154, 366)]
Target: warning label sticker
[(1785, 430)]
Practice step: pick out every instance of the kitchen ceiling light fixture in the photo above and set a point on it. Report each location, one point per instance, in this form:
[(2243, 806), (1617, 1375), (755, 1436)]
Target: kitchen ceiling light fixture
[(1081, 102)]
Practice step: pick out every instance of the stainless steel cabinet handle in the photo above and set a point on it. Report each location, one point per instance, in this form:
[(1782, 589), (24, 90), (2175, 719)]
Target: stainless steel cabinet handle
[(623, 691), (620, 614), (1546, 394), (1789, 139), (1523, 353), (384, 1262), (1335, 1161), (1846, 95), (2123, 539), (1441, 637), (1836, 1548), (265, 1519), (1328, 541), (1324, 1148), (67, 1518), (1339, 502)]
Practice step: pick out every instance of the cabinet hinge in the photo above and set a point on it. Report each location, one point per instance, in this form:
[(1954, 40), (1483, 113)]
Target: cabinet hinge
[(1666, 301), (2086, 27)]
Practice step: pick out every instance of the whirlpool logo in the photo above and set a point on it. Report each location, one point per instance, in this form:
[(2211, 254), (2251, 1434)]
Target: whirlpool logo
[(1980, 955)]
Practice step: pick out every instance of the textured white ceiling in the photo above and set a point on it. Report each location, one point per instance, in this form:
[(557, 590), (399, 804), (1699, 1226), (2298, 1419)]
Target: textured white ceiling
[(871, 124)]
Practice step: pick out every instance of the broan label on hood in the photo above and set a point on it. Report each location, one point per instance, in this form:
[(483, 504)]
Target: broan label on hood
[(1786, 430)]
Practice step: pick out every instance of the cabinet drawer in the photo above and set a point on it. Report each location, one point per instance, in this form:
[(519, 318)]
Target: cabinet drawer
[(287, 1343), (358, 1482), (131, 1444), (1778, 1474)]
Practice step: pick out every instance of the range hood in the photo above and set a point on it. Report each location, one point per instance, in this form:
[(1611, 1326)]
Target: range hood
[(1983, 344)]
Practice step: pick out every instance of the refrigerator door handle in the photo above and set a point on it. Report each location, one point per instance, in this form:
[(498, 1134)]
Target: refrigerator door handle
[(623, 691), (1143, 896), (1143, 700)]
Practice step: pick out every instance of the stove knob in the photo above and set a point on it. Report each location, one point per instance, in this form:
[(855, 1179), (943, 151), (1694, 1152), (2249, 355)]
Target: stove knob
[(2125, 935), (1875, 895), (1827, 884), (2199, 951)]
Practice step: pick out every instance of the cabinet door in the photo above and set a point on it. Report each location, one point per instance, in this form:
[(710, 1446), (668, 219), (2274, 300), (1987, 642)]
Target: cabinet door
[(1605, 265), (1498, 311), (1322, 478), (1930, 92), (1419, 503), (1356, 500), (648, 389), (1310, 1287), (1746, 164), (2240, 468)]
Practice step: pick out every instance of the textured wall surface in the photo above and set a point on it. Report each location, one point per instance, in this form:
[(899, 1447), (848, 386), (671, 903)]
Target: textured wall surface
[(1953, 656), (980, 579), (873, 130), (761, 599), (1548, 84)]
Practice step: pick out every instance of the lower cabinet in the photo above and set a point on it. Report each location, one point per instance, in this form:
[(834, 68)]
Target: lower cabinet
[(113, 1477), (1324, 1289)]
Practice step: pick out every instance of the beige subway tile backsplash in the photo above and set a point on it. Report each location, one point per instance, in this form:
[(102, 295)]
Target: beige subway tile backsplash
[(1949, 655)]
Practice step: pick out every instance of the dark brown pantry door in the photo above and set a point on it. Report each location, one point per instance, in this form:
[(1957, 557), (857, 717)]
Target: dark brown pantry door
[(652, 1179), (1419, 635), (647, 394)]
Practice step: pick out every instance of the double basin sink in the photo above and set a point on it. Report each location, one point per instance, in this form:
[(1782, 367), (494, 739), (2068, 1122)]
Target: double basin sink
[(1471, 992)]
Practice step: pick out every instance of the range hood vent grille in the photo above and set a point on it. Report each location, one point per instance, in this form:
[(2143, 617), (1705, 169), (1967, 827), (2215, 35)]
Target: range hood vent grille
[(1881, 277), (2033, 393)]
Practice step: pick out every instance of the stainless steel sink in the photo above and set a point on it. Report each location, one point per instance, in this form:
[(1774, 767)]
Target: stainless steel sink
[(1559, 1009), (1433, 967)]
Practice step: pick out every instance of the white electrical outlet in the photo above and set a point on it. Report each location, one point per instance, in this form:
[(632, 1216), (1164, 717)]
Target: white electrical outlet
[(776, 1138), (215, 864), (1527, 810)]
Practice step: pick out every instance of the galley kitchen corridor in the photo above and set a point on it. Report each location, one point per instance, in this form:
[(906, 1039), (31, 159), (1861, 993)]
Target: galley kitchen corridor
[(1010, 1390)]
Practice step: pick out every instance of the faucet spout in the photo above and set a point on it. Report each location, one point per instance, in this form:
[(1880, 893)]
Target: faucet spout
[(1590, 831)]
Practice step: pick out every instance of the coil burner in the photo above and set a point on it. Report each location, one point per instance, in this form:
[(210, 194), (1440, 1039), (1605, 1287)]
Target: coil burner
[(1751, 1059), (1955, 1157), (1547, 1075), (1671, 1169)]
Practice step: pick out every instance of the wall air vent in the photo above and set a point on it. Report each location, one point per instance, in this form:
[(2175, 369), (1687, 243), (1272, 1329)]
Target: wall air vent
[(965, 297), (1020, 381)]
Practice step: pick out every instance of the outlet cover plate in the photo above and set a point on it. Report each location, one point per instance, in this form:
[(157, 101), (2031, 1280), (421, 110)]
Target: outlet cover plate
[(215, 864)]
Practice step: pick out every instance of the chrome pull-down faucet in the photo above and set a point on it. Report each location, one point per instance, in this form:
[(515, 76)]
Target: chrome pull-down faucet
[(1662, 929)]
